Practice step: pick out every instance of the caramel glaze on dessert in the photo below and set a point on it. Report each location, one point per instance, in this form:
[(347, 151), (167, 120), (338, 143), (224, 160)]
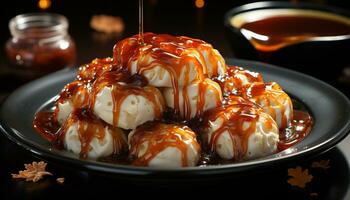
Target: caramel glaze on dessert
[(233, 123), (170, 53), (162, 137), (166, 51), (123, 85), (232, 81), (78, 91), (89, 126), (256, 92)]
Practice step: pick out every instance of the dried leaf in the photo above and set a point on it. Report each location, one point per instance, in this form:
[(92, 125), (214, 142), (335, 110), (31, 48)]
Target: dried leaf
[(323, 164), (299, 177), (33, 172), (314, 194), (60, 180)]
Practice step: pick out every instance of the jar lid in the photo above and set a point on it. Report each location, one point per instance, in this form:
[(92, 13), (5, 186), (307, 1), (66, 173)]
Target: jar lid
[(38, 25)]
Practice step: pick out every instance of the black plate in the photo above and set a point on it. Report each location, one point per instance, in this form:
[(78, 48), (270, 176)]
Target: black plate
[(328, 106)]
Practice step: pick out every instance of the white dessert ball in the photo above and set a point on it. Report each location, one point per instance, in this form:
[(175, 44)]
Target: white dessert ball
[(240, 131), (162, 145)]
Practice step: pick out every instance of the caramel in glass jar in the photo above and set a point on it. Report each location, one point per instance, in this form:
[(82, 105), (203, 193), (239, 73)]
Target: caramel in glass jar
[(40, 44)]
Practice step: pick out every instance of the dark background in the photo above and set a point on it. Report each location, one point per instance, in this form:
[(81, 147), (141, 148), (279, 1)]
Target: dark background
[(179, 17)]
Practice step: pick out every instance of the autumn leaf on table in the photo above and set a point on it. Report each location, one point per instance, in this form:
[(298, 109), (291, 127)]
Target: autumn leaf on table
[(33, 172), (323, 164), (299, 177)]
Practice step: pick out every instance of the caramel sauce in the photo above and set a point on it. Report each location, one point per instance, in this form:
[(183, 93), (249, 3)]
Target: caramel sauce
[(46, 125), (141, 21), (202, 87), (270, 95), (237, 110), (233, 117), (77, 91), (172, 54), (39, 58), (250, 86), (34, 51), (82, 92), (89, 72), (89, 127), (277, 30), (158, 137), (234, 99), (233, 79), (299, 128), (122, 85)]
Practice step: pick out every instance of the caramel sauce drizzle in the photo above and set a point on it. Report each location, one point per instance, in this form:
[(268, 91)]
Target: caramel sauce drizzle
[(232, 81), (91, 79), (123, 85), (141, 21), (233, 117), (172, 53), (202, 88), (158, 137), (78, 92), (269, 95), (90, 127), (89, 72)]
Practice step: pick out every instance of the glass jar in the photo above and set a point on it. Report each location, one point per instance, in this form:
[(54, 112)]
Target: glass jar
[(40, 44)]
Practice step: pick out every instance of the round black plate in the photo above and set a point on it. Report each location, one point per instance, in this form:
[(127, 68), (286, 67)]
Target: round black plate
[(329, 108)]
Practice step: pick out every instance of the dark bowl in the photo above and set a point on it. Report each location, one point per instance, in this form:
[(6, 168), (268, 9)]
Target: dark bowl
[(329, 108), (323, 55)]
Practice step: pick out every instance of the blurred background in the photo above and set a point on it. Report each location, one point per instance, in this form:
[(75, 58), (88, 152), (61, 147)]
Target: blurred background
[(195, 18), (202, 19)]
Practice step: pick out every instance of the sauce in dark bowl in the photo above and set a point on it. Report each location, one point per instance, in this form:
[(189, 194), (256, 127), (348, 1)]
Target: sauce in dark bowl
[(269, 30)]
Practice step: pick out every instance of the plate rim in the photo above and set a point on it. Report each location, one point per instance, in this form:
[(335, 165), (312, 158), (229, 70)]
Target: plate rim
[(207, 170)]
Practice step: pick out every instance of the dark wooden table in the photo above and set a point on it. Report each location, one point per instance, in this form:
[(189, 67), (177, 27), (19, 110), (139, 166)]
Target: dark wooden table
[(178, 18)]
